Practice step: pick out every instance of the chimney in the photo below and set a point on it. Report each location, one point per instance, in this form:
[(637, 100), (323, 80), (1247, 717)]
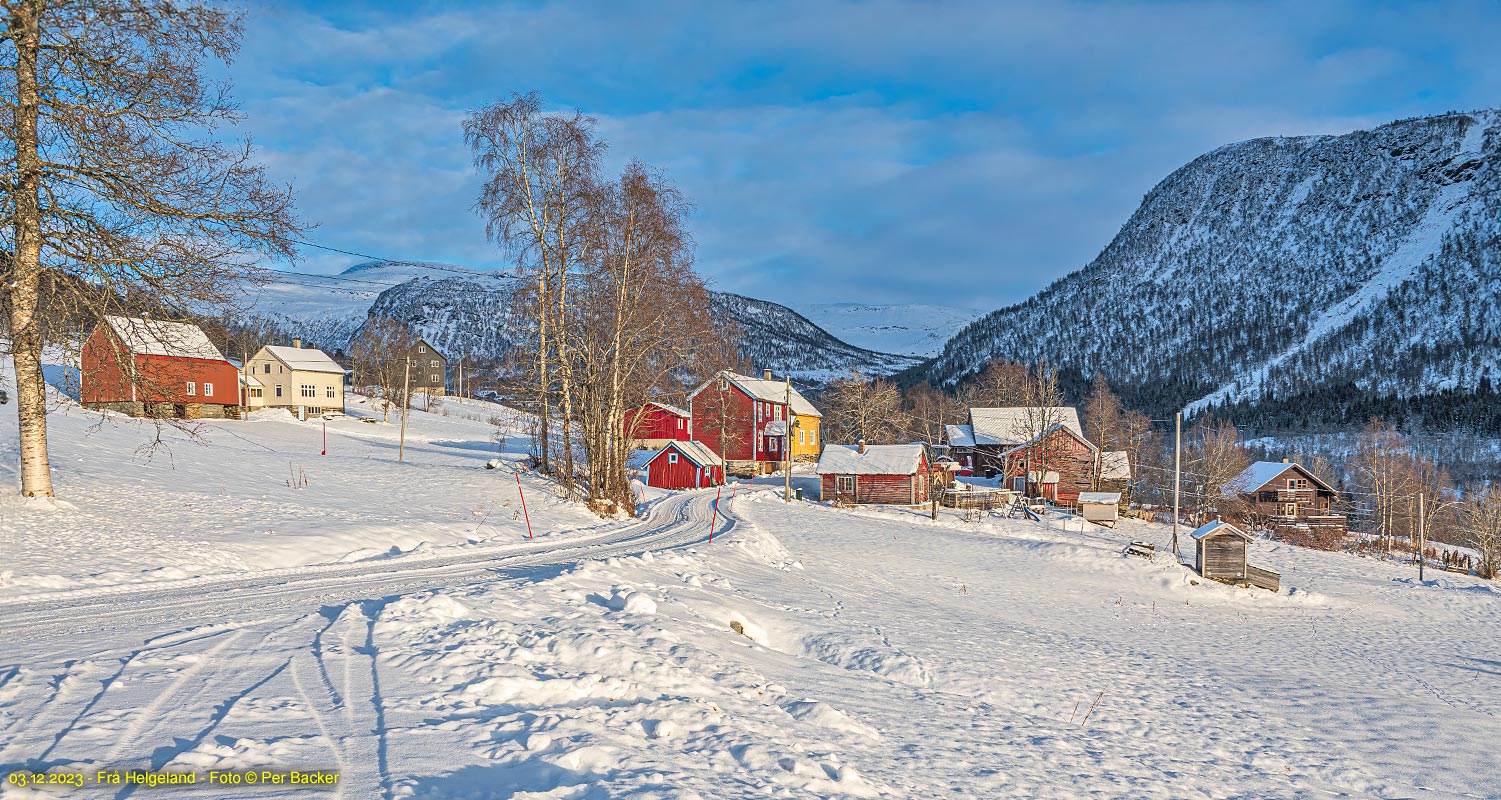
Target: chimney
[(297, 342), (1285, 461), (861, 445), (766, 374)]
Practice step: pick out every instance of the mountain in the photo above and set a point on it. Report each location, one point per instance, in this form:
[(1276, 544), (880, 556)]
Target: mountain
[(1359, 265), (775, 337), (465, 311), (910, 329)]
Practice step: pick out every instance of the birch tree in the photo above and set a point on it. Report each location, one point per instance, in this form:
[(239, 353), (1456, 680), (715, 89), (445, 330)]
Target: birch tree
[(857, 407), (541, 171), (117, 183)]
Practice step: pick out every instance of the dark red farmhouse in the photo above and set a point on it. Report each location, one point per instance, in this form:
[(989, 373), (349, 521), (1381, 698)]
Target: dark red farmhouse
[(878, 473), (146, 367), (653, 425), (685, 465)]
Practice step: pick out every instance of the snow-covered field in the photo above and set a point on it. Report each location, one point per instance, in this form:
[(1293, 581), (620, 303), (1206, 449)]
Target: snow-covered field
[(806, 652), (912, 329)]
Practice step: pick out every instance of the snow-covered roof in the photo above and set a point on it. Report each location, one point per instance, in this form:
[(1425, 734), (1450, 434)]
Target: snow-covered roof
[(671, 409), (304, 359), (246, 379), (1018, 424), (959, 435), (1047, 477), (1115, 465), (1099, 498), (151, 337), (1263, 472), (1219, 527), (697, 452), (878, 459), (771, 391)]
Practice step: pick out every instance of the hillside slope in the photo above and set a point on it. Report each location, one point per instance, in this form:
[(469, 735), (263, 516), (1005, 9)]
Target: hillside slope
[(1264, 268), (775, 337), (912, 329)]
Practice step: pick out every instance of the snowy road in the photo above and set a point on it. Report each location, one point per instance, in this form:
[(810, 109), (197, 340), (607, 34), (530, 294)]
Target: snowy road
[(136, 676)]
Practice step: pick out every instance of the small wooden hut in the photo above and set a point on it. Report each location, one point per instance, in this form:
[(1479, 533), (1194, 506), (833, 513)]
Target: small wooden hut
[(1103, 508), (1220, 551)]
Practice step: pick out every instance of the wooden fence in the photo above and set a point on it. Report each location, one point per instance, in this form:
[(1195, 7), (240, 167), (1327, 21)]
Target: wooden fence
[(1265, 578)]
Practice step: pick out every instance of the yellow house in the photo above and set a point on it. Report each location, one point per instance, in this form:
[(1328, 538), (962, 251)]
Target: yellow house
[(745, 420)]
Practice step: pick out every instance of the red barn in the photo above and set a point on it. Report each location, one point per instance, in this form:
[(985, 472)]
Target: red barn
[(145, 367), (878, 473), (1040, 451), (654, 424), (685, 465)]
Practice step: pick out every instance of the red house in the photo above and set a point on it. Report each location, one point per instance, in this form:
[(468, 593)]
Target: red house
[(654, 424), (754, 423), (146, 367), (684, 465), (878, 473), (1040, 451)]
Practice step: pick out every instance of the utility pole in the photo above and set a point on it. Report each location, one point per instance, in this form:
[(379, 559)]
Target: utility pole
[(787, 444), (1177, 475), (1422, 537), (406, 403)]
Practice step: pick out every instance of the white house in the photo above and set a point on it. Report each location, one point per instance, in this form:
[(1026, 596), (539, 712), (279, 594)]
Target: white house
[(303, 379)]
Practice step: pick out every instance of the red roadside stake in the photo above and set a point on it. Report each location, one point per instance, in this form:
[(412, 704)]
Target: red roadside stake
[(325, 438), (715, 519), (523, 506)]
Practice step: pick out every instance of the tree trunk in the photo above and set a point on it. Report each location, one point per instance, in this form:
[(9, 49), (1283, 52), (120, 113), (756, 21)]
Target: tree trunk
[(26, 272)]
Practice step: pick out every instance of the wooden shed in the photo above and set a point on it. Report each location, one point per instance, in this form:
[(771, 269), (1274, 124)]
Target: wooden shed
[(1220, 551), (878, 473), (685, 465), (1101, 507)]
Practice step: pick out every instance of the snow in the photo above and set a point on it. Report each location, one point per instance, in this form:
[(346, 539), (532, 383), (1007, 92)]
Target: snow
[(1015, 425), (878, 459), (697, 452), (1216, 527), (1099, 498), (1261, 473), (773, 391), (1115, 465), (809, 651), (304, 359), (151, 337), (912, 329)]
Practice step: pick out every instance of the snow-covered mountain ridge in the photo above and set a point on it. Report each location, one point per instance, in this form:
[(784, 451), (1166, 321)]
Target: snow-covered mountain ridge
[(913, 329), (465, 311), (1263, 268)]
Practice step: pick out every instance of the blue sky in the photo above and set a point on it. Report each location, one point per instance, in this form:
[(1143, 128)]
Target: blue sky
[(946, 152)]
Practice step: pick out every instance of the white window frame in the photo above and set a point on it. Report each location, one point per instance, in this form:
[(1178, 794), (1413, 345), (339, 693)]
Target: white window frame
[(844, 484), (192, 388), (672, 458), (308, 390), (278, 390), (208, 389), (331, 394)]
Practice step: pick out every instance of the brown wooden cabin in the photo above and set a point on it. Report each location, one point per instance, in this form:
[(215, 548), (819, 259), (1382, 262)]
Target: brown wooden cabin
[(878, 473), (1285, 494)]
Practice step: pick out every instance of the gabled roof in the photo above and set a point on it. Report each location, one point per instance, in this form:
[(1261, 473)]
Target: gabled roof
[(1115, 465), (1012, 448), (304, 359), (150, 337), (878, 459), (697, 452), (671, 409), (756, 388), (1015, 424), (1219, 528), (1263, 472)]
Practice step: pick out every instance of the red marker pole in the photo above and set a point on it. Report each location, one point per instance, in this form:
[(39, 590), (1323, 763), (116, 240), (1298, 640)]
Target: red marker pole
[(714, 520), (325, 438), (523, 506), (733, 488)]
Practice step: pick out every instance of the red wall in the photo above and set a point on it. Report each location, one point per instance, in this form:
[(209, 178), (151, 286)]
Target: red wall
[(159, 379), (739, 417), (682, 475), (656, 423)]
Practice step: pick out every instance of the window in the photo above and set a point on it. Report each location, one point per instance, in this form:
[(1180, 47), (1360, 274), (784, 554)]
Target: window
[(278, 390), (436, 379), (672, 458), (309, 390), (813, 436), (724, 383), (802, 436), (192, 388), (268, 369), (421, 348), (436, 363), (778, 410), (254, 392), (680, 423), (845, 484), (758, 412), (1297, 483), (208, 390), (330, 392)]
